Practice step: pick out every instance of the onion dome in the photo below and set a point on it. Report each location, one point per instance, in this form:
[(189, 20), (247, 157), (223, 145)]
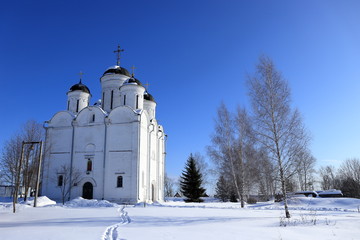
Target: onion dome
[(133, 80), (149, 97), (117, 70), (80, 87)]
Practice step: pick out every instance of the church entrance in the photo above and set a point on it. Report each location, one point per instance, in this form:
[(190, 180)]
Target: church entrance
[(87, 190)]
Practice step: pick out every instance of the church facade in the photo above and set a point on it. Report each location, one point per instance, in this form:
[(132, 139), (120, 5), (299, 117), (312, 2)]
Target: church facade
[(113, 150)]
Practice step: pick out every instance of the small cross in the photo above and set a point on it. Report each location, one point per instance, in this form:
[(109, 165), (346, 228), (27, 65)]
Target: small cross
[(81, 74), (147, 85), (118, 51), (133, 71)]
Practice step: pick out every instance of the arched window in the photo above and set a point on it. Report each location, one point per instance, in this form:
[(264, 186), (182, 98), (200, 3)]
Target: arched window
[(77, 105), (112, 99), (60, 180), (92, 118), (119, 181), (103, 100), (137, 101), (89, 166)]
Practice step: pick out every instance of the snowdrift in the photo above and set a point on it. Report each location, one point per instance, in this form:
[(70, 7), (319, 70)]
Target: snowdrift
[(86, 203)]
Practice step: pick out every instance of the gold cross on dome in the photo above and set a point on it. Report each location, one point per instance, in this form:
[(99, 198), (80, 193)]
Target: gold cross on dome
[(133, 71), (147, 84), (118, 51), (81, 74)]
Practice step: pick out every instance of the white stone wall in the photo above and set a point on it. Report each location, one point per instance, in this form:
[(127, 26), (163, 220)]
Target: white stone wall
[(111, 83), (132, 95), (77, 100)]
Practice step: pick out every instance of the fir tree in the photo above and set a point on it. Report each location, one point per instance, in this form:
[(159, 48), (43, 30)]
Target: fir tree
[(190, 182), (222, 189)]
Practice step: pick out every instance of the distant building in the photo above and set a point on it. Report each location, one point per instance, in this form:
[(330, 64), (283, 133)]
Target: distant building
[(116, 145), (6, 191)]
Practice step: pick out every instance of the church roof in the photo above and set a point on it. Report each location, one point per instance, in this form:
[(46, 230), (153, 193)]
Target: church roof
[(117, 70), (149, 97), (80, 87), (133, 80)]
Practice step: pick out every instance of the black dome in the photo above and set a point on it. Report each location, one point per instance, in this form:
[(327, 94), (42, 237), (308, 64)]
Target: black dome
[(149, 97), (117, 70), (133, 80), (80, 87)]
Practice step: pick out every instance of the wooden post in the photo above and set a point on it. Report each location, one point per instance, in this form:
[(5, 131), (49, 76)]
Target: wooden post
[(38, 174), (17, 183)]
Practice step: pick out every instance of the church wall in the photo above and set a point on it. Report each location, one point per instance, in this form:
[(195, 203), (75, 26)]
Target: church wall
[(57, 154), (111, 83), (143, 159), (121, 160), (134, 95), (153, 160), (89, 146), (77, 100), (161, 164)]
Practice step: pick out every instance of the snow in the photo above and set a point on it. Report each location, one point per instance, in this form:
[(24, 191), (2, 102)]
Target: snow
[(315, 218), (113, 67), (81, 202)]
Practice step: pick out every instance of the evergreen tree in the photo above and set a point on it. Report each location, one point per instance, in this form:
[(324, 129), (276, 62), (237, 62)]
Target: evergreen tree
[(222, 189), (190, 182)]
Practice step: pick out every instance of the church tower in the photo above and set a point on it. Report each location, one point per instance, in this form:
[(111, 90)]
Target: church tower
[(111, 81), (78, 98), (132, 93)]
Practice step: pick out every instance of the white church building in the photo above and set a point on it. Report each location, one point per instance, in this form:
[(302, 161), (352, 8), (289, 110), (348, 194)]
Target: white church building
[(113, 150)]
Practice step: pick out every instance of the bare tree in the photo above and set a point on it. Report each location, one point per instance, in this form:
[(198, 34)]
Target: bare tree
[(305, 169), (245, 152), (278, 128), (222, 151), (66, 178), (350, 168), (203, 167), (31, 131), (10, 156), (349, 174), (168, 186), (328, 177)]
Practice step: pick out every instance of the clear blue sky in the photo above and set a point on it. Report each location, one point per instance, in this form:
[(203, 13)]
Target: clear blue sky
[(194, 54)]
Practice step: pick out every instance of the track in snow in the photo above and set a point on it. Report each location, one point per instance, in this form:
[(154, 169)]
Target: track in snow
[(111, 232)]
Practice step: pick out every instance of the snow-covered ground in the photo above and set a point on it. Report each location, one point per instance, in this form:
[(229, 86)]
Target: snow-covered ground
[(312, 218)]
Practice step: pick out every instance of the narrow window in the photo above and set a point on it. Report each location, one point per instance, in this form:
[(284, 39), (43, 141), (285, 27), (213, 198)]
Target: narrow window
[(119, 181), (68, 105), (77, 105), (112, 98), (137, 101), (89, 166), (92, 119), (124, 99), (60, 180), (103, 100)]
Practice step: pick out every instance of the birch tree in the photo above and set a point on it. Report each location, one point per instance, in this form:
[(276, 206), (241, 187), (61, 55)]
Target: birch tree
[(278, 127), (305, 169), (222, 151)]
